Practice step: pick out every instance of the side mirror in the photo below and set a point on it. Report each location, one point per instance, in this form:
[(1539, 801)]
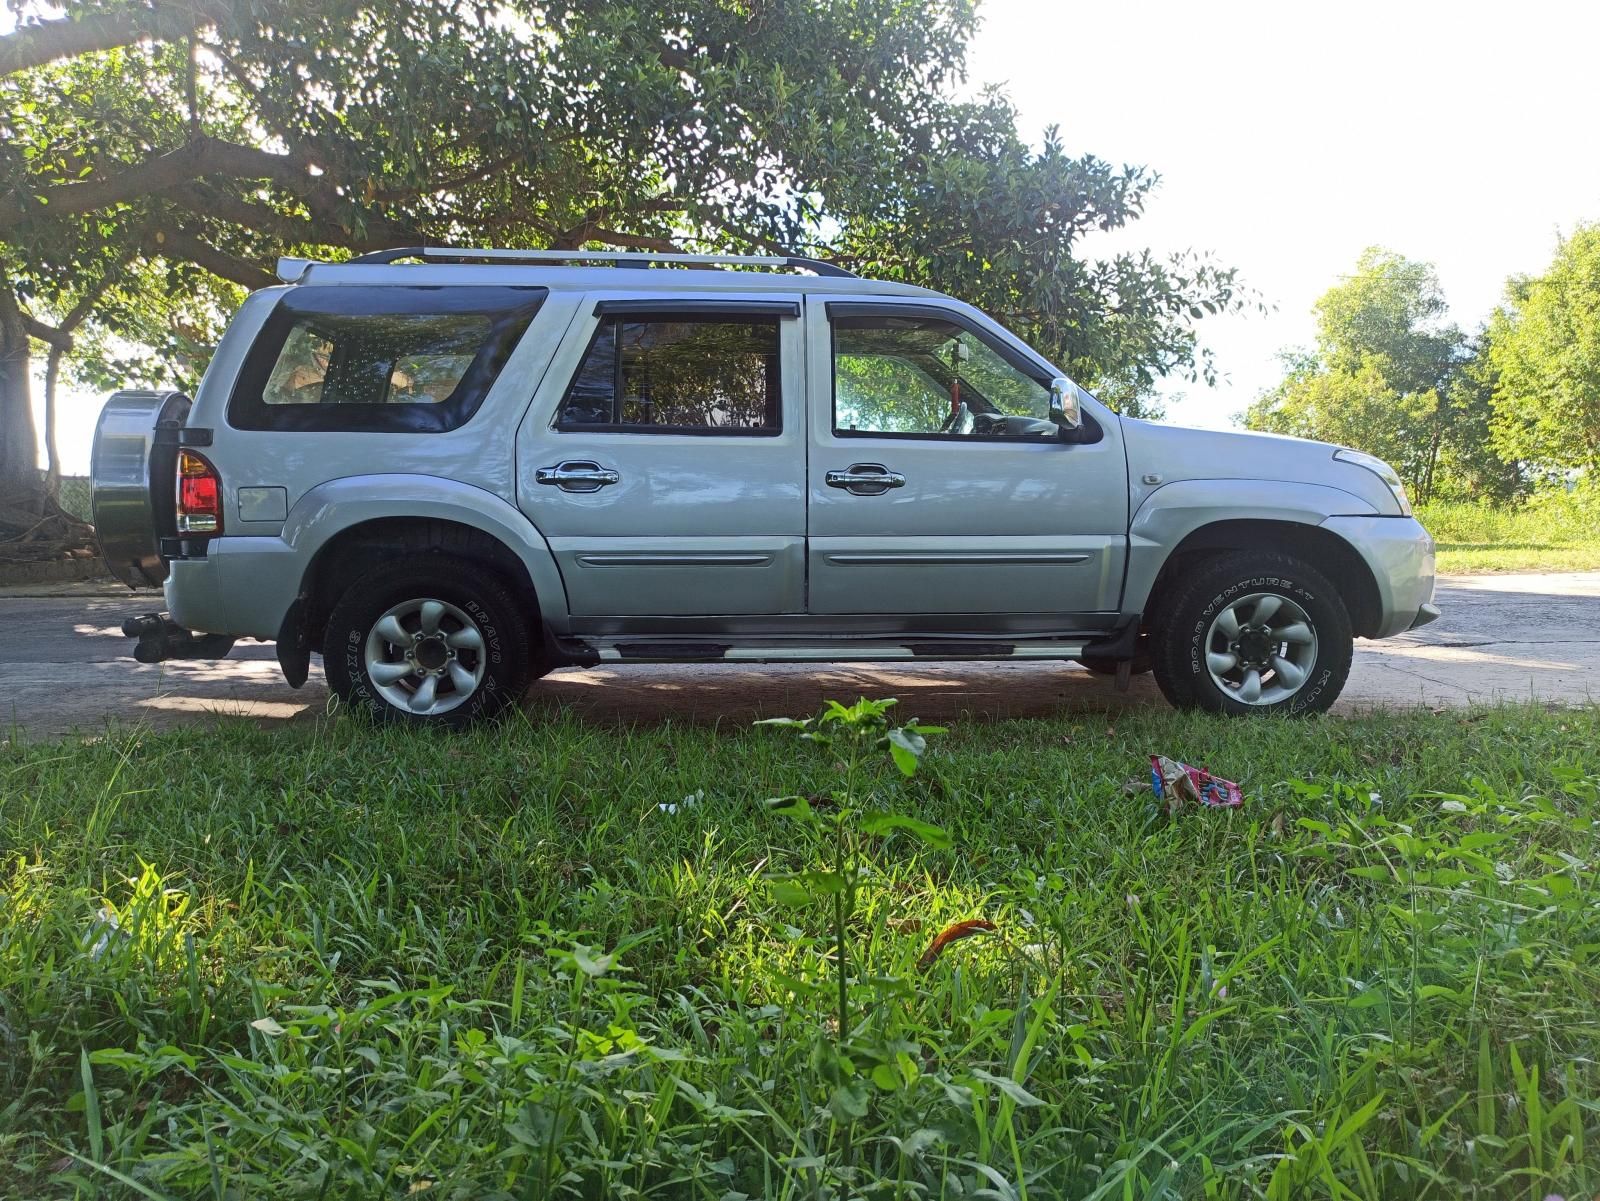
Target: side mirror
[(1064, 408)]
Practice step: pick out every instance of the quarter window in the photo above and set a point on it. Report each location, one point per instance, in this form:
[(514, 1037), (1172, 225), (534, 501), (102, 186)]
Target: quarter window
[(924, 376), (389, 359), (678, 373)]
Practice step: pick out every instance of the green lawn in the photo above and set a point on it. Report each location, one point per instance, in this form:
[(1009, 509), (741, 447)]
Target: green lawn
[(349, 963), (1552, 532)]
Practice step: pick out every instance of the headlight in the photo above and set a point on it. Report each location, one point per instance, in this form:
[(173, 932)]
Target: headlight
[(1383, 471)]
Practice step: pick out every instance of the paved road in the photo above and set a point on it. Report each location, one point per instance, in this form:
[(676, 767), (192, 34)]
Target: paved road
[(65, 666)]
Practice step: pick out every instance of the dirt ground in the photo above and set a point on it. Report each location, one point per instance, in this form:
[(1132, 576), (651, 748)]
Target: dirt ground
[(68, 668)]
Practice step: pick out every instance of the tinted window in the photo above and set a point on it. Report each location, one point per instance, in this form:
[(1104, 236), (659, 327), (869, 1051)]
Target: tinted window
[(678, 373), (923, 375), (382, 359)]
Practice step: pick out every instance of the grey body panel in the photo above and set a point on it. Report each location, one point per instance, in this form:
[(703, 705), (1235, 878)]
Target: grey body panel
[(694, 522), (245, 585), (981, 526), (1172, 512), (1400, 554)]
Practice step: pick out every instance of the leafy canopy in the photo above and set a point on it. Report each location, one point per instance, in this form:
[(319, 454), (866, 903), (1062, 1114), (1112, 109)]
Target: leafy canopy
[(1544, 349), (154, 160), (1391, 377)]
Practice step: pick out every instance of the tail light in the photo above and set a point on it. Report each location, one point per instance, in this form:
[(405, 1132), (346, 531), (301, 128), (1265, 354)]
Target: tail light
[(199, 495)]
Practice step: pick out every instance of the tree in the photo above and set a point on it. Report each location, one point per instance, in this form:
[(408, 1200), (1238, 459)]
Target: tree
[(212, 139), (1544, 350), (974, 211), (154, 159), (1389, 376)]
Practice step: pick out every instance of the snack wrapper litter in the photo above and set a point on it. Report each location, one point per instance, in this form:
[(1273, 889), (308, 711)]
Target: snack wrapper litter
[(1177, 783)]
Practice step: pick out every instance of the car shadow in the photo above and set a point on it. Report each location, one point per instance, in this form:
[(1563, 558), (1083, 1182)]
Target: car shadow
[(713, 693)]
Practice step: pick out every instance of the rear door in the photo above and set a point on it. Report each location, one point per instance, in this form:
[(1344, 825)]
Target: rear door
[(664, 458), (937, 485)]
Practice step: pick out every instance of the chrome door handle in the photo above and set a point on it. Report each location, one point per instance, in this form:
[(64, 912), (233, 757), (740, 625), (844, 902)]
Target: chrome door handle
[(576, 475), (865, 479)]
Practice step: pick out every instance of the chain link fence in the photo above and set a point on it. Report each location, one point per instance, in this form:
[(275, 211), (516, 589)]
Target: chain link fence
[(75, 496)]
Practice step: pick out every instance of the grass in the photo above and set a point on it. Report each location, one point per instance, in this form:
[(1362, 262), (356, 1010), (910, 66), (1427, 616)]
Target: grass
[(336, 963), (1553, 531)]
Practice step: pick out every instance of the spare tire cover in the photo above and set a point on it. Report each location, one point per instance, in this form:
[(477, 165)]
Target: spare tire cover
[(132, 482)]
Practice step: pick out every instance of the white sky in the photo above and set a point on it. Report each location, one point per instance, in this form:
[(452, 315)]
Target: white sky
[(1289, 136)]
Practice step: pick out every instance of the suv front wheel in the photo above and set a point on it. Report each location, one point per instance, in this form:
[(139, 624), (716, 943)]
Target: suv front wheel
[(438, 641), (1253, 632)]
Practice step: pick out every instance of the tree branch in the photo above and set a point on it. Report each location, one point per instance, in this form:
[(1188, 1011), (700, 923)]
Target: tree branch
[(152, 175), (303, 142), (46, 41), (48, 334), (167, 172), (615, 237), (177, 244), (210, 203), (440, 187)]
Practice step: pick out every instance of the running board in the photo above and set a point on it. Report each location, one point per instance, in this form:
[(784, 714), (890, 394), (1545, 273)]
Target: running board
[(640, 650)]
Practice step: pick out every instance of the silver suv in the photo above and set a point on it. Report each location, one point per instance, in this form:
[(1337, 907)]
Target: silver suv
[(448, 472)]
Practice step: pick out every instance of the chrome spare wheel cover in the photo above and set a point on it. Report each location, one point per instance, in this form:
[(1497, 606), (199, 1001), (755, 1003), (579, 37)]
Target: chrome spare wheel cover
[(131, 482), (425, 656), (1260, 649)]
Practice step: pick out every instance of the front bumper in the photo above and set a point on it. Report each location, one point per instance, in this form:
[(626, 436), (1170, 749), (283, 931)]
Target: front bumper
[(1424, 615), (1400, 554)]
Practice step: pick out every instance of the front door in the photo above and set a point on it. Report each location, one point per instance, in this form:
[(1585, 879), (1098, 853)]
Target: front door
[(937, 485), (663, 457)]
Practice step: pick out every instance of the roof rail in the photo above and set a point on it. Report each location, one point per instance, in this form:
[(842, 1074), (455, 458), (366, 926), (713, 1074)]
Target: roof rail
[(620, 258)]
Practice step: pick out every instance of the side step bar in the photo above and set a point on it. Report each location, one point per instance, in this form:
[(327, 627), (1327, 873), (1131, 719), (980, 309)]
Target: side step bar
[(161, 638), (640, 650)]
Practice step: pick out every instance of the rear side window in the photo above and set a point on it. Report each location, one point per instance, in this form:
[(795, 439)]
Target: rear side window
[(678, 373), (399, 360)]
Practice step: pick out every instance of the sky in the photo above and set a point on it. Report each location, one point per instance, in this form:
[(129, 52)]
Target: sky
[(1289, 137)]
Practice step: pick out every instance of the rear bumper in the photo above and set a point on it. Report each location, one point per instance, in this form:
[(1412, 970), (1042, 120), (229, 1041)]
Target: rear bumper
[(243, 587), (1400, 554)]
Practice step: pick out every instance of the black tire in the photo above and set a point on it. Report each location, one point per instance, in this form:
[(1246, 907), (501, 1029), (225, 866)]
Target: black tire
[(1211, 586), (505, 657)]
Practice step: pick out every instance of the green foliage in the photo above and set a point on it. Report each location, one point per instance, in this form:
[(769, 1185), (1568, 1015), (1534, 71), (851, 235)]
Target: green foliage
[(361, 963), (1553, 530), (971, 209), (1544, 347), (1389, 379), (1388, 312), (852, 731)]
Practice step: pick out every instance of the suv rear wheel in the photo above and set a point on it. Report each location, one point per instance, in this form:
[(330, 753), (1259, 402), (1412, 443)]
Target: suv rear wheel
[(1253, 632), (438, 641)]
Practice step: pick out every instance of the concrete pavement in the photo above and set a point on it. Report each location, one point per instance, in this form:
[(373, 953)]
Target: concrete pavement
[(66, 667)]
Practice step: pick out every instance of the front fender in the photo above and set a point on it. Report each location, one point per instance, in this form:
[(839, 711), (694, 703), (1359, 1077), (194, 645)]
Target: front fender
[(262, 576), (1173, 511)]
